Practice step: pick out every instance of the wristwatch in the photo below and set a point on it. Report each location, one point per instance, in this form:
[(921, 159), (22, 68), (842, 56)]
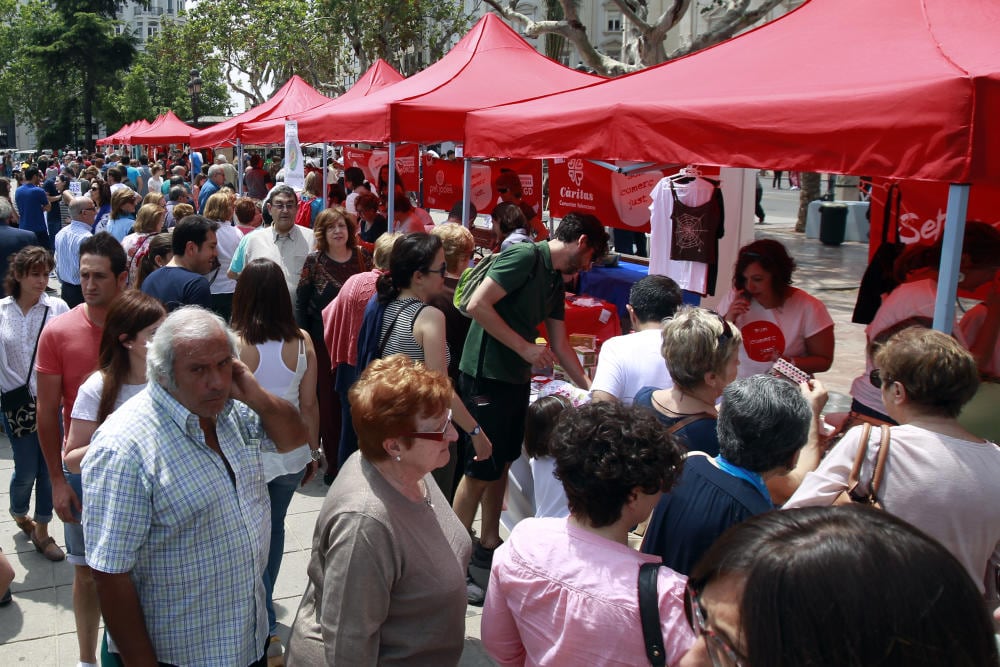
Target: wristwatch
[(316, 454), (476, 430)]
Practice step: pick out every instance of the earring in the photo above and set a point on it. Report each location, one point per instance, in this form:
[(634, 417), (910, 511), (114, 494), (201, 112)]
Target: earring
[(399, 458)]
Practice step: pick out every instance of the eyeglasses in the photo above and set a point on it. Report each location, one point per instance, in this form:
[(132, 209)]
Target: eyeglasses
[(438, 436), (877, 380), (88, 210), (720, 651), (440, 270), (503, 191), (283, 207)]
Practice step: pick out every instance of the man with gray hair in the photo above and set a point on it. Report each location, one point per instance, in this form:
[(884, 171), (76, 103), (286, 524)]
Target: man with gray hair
[(229, 170), (12, 239), (763, 424), (283, 242), (82, 212), (216, 179), (176, 530), (178, 195)]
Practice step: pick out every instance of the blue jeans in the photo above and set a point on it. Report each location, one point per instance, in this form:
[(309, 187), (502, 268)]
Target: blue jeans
[(280, 491), (30, 471)]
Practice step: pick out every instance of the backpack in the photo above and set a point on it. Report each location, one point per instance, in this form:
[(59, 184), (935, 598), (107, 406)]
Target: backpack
[(303, 215), (471, 279)]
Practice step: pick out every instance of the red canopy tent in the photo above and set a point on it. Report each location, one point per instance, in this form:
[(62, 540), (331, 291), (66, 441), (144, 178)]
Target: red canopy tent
[(140, 125), (115, 136), (168, 129), (491, 65), (895, 88), (295, 96), (272, 131)]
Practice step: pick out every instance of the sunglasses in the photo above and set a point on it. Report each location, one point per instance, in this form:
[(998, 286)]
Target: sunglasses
[(720, 651), (284, 207), (727, 331), (503, 191), (440, 270), (437, 436), (877, 380)]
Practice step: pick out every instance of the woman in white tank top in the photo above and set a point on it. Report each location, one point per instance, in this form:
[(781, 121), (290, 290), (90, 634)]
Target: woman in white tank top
[(283, 360)]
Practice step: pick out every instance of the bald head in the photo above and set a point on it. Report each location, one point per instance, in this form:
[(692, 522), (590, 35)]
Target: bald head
[(78, 205)]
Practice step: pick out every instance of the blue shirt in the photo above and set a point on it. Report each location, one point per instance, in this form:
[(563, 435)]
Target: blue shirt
[(703, 504), (162, 507), (698, 435), (68, 242), (175, 286), (12, 240), (121, 227), (207, 190), (31, 201)]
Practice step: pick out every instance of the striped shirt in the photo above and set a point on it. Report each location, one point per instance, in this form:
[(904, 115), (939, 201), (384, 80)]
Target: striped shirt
[(403, 312), (161, 506), (67, 244)]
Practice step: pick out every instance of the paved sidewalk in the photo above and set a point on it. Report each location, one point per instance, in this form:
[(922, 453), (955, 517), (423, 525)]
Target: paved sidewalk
[(38, 629)]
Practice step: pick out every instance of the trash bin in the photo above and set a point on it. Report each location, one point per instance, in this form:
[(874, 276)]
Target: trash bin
[(832, 222)]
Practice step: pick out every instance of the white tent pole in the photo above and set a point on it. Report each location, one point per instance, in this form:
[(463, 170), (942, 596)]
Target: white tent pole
[(391, 195), (466, 191), (239, 166), (326, 186), (951, 257)]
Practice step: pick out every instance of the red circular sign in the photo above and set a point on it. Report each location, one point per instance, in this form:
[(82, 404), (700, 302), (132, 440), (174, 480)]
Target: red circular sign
[(763, 340)]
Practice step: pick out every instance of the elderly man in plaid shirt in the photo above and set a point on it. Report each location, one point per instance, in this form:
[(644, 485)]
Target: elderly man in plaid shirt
[(177, 532)]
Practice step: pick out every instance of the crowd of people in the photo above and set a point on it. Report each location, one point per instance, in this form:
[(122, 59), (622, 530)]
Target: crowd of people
[(208, 354)]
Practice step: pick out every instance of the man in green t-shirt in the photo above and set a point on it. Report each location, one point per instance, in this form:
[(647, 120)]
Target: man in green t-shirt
[(524, 287)]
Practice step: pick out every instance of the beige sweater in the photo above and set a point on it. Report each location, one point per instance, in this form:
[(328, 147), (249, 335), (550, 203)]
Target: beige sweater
[(386, 578)]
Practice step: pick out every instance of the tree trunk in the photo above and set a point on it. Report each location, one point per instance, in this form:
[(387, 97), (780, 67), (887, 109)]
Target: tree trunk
[(809, 184)]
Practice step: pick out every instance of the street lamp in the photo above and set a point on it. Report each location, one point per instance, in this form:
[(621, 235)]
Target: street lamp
[(194, 90)]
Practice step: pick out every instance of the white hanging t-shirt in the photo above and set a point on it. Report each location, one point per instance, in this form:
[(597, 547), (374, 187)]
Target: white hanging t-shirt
[(691, 276)]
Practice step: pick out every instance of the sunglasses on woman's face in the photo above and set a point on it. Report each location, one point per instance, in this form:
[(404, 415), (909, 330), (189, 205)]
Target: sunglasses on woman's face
[(877, 379), (437, 436)]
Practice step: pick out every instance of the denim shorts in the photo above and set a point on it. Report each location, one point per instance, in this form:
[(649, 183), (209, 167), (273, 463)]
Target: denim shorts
[(76, 551)]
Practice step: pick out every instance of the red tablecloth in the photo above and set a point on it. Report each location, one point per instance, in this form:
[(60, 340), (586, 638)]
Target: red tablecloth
[(589, 315)]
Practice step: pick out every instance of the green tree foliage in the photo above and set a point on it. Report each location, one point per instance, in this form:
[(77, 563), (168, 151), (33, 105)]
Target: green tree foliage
[(258, 44), (57, 62), (157, 81)]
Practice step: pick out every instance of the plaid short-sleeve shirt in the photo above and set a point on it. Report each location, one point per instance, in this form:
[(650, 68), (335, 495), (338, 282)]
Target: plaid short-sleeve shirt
[(162, 506)]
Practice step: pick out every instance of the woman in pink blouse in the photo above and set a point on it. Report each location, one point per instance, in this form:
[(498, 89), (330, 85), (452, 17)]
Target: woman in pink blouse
[(564, 591)]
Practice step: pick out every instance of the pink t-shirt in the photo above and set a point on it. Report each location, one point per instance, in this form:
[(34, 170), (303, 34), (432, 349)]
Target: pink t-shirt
[(342, 317), (559, 595), (69, 347)]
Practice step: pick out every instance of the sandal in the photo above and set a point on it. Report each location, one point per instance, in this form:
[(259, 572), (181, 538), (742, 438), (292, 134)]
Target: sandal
[(26, 525), (48, 548)]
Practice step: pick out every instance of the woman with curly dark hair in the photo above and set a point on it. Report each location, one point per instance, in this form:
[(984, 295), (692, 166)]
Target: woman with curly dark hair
[(564, 591)]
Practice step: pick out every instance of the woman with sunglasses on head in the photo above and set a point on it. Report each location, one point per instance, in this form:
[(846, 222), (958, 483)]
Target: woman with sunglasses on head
[(777, 321), (387, 571), (412, 327), (937, 475), (701, 350), (564, 591), (834, 587), (100, 193)]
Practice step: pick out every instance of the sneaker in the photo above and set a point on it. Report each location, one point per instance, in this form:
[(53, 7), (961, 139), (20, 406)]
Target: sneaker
[(474, 594), (483, 557), (275, 652), (8, 596)]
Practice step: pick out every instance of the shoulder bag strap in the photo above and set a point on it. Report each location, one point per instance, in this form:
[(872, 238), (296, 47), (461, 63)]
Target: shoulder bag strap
[(392, 325), (31, 365), (690, 419), (649, 614), (859, 458), (879, 472)]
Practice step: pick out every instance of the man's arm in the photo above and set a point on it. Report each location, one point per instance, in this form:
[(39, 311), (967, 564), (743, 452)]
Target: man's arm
[(281, 421), (565, 353), (482, 307), (123, 617), (47, 402)]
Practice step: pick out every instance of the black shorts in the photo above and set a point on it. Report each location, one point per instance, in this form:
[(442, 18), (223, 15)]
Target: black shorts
[(500, 408)]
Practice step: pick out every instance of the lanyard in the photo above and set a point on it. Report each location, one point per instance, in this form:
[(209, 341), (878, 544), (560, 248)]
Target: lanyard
[(756, 480)]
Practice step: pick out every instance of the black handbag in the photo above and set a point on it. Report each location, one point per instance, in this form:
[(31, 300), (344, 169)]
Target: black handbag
[(649, 614), (18, 404)]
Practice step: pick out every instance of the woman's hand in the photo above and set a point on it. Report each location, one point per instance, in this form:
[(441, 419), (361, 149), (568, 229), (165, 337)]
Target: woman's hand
[(311, 469), (738, 307), (484, 448)]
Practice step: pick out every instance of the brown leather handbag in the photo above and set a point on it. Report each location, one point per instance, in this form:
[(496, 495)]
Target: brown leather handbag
[(851, 493)]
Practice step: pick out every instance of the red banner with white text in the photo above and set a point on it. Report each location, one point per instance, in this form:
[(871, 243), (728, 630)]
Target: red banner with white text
[(443, 182), (370, 161), (922, 210)]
